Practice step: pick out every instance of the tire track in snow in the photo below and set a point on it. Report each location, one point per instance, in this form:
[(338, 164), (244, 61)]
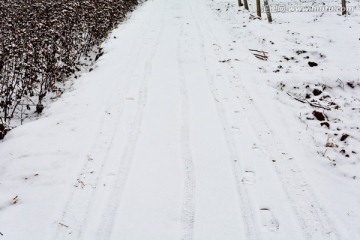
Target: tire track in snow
[(109, 214), (245, 204), (80, 201), (81, 196), (188, 208), (122, 172), (311, 216)]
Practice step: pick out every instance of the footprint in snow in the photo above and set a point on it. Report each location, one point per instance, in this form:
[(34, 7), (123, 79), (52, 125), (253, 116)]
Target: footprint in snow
[(249, 177), (268, 220)]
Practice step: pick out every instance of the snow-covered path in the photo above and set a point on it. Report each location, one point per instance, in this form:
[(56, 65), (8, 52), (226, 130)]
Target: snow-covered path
[(162, 140)]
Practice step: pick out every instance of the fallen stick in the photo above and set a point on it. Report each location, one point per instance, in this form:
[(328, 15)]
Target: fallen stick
[(254, 50), (310, 103), (262, 57), (61, 224)]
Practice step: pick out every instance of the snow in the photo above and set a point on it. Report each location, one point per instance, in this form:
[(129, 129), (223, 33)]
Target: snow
[(179, 132)]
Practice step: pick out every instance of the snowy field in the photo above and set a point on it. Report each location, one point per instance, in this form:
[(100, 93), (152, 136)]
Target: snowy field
[(181, 132)]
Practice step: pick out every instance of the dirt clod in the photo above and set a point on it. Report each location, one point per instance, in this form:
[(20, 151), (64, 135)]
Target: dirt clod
[(317, 92), (319, 115), (326, 124), (351, 84), (344, 137), (298, 52), (312, 64)]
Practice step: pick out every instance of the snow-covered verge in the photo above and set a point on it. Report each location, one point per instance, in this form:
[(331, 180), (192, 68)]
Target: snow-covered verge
[(325, 97), (311, 60), (180, 132)]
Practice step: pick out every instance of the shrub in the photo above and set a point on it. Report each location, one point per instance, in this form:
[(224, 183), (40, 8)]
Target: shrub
[(42, 43)]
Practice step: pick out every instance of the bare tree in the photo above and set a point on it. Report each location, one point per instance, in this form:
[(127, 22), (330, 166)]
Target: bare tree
[(343, 5), (267, 10), (246, 5), (258, 8)]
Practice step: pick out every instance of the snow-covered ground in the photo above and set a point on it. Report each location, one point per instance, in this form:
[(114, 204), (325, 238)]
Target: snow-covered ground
[(180, 132)]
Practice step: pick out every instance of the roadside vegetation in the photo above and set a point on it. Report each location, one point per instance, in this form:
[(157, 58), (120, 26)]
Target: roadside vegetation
[(43, 43)]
